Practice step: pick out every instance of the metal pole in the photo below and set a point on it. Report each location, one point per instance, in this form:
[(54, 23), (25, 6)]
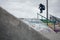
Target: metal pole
[(47, 10)]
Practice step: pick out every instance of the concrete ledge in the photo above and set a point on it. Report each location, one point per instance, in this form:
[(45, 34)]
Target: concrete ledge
[(13, 29)]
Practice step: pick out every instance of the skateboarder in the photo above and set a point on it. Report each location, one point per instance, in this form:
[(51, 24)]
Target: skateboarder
[(41, 7)]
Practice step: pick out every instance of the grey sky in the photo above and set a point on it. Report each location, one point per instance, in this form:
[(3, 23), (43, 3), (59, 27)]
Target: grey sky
[(29, 8)]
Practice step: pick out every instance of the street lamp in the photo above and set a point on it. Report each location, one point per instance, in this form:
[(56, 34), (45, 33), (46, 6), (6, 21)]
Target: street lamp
[(47, 10)]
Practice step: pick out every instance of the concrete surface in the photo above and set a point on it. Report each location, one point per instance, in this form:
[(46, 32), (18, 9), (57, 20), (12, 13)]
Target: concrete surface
[(42, 28), (13, 29)]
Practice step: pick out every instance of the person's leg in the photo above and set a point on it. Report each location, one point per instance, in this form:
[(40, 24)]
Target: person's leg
[(40, 11)]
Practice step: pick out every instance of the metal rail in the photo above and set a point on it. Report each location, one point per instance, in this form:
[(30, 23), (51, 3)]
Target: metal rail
[(53, 22), (41, 16)]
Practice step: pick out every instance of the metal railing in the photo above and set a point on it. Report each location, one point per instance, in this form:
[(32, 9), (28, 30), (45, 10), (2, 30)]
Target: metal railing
[(41, 16), (51, 24)]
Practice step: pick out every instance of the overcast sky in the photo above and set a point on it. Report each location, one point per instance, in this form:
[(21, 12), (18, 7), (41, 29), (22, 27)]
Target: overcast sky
[(29, 8)]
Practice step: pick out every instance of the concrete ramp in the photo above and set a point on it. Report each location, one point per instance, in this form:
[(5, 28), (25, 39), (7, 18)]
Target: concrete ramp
[(42, 28), (13, 29)]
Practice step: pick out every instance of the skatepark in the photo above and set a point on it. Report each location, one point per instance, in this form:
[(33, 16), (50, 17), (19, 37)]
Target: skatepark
[(12, 28), (23, 20)]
